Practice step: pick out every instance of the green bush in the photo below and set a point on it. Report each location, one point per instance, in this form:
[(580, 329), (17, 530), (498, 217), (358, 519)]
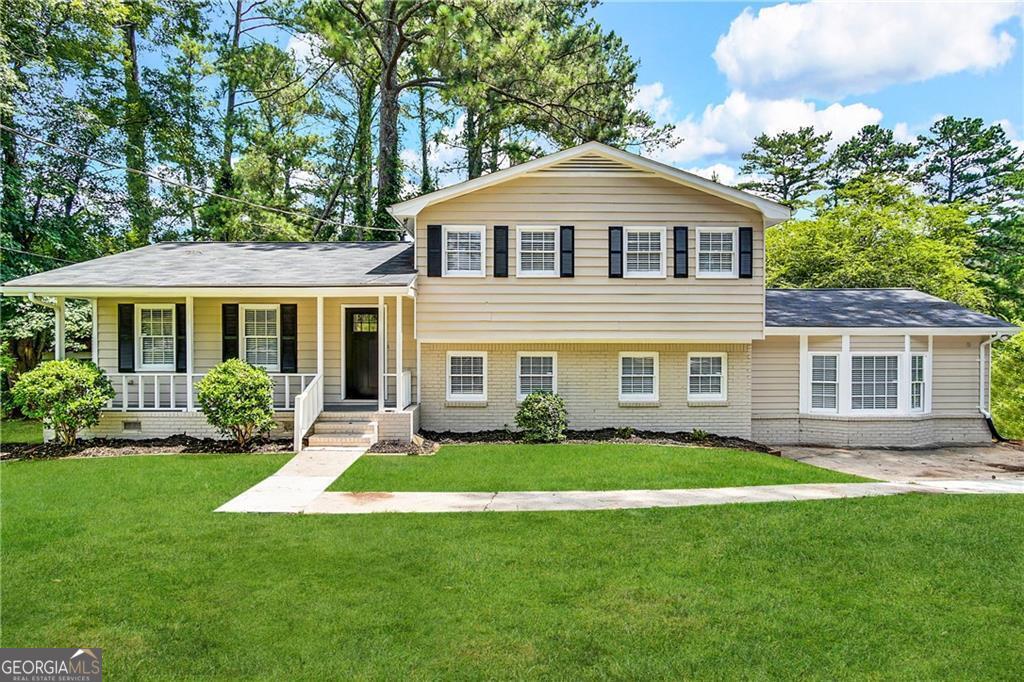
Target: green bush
[(541, 418), (66, 395), (237, 398)]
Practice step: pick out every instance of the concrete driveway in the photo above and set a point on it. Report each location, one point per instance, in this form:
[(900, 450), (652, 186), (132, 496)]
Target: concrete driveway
[(1003, 461)]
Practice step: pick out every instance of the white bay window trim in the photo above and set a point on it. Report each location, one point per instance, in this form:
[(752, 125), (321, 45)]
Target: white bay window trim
[(723, 376), (702, 270), (638, 374), (541, 229), (140, 353), (463, 373), (243, 310), (638, 230), (481, 231), (520, 395)]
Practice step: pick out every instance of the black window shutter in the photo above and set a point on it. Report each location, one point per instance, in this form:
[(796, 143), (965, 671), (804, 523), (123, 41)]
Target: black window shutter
[(501, 250), (289, 338), (180, 351), (433, 250), (567, 248), (615, 252), (229, 330), (746, 252), (681, 246), (125, 337)]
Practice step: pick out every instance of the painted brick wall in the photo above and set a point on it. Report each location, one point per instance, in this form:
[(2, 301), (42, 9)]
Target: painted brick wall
[(882, 432)]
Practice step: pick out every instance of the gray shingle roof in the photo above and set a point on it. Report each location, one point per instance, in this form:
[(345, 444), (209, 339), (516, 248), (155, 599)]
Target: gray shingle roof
[(868, 308), (240, 264)]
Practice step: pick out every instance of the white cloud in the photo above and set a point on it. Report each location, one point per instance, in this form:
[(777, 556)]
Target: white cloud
[(723, 172), (834, 49), (651, 98), (727, 129), (303, 46)]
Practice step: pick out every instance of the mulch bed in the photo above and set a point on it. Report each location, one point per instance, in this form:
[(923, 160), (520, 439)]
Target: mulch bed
[(636, 437), (397, 447), (113, 447)]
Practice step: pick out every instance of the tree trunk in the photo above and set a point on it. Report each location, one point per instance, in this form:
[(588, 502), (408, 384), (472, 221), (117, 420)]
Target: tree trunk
[(388, 164), (12, 207), (224, 175), (494, 147), (426, 184), (474, 145), (139, 208), (363, 172)]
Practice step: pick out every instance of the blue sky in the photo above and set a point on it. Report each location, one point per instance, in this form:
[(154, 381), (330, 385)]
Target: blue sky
[(722, 71)]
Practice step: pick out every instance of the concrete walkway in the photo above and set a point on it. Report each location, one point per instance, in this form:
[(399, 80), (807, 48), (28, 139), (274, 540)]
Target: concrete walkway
[(297, 484)]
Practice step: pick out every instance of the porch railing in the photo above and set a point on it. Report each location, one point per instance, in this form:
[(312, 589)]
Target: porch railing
[(308, 406), (145, 391)]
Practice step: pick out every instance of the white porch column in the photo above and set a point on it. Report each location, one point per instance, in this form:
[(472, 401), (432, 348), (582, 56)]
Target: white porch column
[(189, 352), (903, 397), (320, 336), (58, 329), (928, 375), (399, 348), (382, 334), (95, 331), (845, 376), (804, 385)]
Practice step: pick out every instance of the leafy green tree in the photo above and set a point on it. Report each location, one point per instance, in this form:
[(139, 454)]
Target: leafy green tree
[(1000, 257), (965, 160), (900, 242), (1008, 386), (788, 166), (871, 156)]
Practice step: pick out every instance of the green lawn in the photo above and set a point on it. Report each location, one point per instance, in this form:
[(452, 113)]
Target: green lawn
[(126, 554), (605, 466), (20, 431)]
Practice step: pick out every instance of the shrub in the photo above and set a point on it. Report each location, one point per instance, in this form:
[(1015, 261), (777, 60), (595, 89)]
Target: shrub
[(66, 395), (541, 417), (237, 398), (699, 435)]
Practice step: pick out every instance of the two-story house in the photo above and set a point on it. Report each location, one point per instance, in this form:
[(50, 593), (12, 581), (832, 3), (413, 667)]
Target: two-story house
[(633, 289)]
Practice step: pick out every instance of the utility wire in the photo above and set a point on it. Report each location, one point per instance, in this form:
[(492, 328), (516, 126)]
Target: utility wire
[(175, 183), (38, 255)]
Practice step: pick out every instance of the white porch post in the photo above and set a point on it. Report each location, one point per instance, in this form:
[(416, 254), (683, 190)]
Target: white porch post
[(95, 331), (320, 336), (189, 352), (382, 333), (804, 385), (928, 375), (399, 348), (845, 376), (903, 395), (58, 329)]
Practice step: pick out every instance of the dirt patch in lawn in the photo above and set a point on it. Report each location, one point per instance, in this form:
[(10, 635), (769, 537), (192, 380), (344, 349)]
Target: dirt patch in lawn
[(114, 447), (630, 436), (424, 446)]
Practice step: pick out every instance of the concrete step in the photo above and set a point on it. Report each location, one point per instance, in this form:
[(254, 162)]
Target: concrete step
[(346, 416), (339, 440), (357, 428)]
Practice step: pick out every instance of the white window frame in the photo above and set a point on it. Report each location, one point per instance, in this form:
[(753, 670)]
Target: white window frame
[(625, 251), (925, 360), (520, 396), (639, 397), (735, 272), (708, 397), (463, 397), (553, 229), (811, 382), (276, 307), (900, 374), (161, 367), (482, 229)]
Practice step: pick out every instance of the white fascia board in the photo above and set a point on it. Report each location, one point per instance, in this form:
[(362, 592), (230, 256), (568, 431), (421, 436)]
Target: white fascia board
[(890, 331), (207, 292), (772, 212)]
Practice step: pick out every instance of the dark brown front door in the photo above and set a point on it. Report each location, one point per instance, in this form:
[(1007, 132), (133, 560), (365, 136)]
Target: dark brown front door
[(361, 353)]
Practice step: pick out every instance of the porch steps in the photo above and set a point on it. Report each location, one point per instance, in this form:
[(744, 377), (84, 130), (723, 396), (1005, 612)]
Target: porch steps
[(341, 429)]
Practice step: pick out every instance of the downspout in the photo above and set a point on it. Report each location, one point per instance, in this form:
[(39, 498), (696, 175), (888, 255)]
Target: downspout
[(985, 389)]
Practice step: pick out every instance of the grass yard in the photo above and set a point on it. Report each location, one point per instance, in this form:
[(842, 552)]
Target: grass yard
[(20, 431), (604, 466), (126, 554)]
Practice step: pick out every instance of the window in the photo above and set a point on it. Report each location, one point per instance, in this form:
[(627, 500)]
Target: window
[(917, 383), (260, 337), (536, 374), (874, 382), (538, 252), (716, 253), (156, 337), (464, 251), (364, 322), (706, 379), (638, 377), (825, 383), (645, 252), (467, 376)]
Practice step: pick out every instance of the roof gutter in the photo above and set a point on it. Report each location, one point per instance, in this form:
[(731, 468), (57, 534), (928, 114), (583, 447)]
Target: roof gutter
[(52, 305)]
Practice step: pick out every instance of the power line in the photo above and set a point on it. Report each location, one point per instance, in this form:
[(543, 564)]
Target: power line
[(210, 193), (38, 255)]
